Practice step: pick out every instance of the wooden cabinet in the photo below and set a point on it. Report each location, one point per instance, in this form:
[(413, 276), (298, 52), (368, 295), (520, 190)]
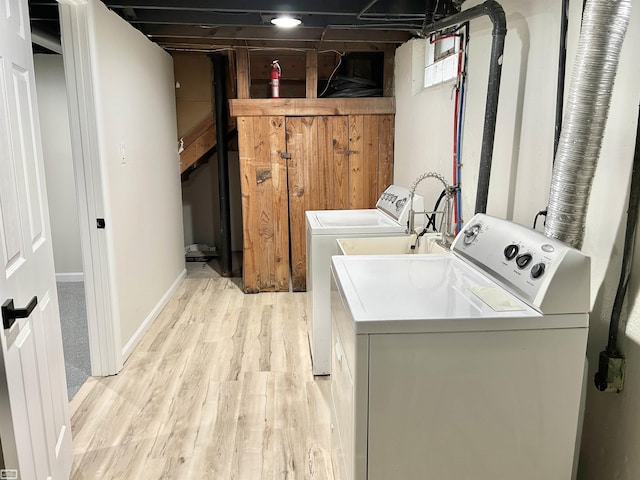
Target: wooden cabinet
[(305, 160), (263, 182)]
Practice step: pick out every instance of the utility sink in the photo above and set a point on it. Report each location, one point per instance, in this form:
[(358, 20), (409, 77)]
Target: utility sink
[(390, 245)]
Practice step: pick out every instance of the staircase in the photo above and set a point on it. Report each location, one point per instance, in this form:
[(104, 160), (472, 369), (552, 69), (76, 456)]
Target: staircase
[(200, 143)]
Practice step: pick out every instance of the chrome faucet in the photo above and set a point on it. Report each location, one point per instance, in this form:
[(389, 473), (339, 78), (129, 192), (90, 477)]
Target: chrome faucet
[(446, 232)]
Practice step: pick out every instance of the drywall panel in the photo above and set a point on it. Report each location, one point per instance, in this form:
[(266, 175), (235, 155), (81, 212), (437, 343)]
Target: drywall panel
[(135, 98), (58, 162)]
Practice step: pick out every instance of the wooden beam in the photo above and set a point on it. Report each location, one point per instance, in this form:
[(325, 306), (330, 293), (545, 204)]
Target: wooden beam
[(242, 66), (214, 33), (197, 142), (192, 135), (232, 75), (293, 63), (210, 44), (410, 8), (388, 73), (312, 74), (310, 107)]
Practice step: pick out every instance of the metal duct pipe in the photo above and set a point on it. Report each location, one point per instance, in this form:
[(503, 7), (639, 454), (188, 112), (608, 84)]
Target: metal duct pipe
[(494, 11), (604, 25)]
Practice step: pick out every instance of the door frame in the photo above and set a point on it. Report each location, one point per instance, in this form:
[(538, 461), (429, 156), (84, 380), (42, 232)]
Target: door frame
[(103, 321)]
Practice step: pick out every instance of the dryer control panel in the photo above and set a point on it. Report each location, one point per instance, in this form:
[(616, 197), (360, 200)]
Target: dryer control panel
[(395, 201), (543, 272)]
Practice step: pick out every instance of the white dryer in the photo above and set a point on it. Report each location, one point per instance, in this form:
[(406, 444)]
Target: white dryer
[(324, 227), (461, 366)]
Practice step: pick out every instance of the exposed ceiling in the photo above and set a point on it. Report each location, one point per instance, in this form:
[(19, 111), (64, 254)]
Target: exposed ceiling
[(212, 24)]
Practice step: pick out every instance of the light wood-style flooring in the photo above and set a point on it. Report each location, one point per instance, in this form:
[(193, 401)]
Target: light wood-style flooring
[(219, 388)]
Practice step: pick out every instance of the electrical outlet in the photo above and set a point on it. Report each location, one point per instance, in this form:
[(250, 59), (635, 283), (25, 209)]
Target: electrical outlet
[(610, 375)]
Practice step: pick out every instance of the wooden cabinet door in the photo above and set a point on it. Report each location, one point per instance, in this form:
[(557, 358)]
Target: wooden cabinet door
[(292, 164), (336, 163), (370, 158), (318, 178), (334, 152), (265, 209), (385, 154), (305, 188)]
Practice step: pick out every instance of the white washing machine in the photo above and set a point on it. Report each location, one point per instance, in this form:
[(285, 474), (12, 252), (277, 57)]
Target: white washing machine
[(324, 227), (461, 366)]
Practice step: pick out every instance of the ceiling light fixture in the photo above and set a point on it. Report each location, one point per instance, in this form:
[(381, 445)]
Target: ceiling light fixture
[(286, 21)]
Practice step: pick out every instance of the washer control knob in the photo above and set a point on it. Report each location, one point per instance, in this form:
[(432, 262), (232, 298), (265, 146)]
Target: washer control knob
[(537, 270), (523, 260), (511, 251), (471, 233)]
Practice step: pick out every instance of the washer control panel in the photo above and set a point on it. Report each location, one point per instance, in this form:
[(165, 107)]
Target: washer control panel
[(395, 201), (537, 269)]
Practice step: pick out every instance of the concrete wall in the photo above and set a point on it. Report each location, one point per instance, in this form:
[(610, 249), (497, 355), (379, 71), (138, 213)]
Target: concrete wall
[(520, 183), (58, 162), (138, 151)]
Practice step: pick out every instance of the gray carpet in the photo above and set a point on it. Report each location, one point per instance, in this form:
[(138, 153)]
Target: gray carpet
[(75, 334)]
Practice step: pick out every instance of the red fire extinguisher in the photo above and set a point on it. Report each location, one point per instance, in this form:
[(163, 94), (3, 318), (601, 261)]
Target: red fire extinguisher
[(276, 71)]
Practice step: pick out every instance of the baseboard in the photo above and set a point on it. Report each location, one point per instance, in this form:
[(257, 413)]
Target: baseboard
[(135, 339), (70, 277)]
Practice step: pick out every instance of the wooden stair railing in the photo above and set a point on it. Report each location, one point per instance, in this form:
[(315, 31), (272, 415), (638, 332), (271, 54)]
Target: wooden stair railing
[(198, 142)]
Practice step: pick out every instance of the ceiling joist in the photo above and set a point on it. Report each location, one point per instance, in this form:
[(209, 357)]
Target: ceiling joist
[(345, 25)]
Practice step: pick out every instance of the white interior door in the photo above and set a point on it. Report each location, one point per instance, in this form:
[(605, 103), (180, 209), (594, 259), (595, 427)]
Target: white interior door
[(35, 431)]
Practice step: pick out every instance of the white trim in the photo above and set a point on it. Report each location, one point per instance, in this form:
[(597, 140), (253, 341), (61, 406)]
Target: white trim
[(70, 277), (78, 45), (137, 336), (108, 250), (46, 40), (73, 2)]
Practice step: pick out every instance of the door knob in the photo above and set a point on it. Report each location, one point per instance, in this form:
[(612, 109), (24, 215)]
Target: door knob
[(10, 313)]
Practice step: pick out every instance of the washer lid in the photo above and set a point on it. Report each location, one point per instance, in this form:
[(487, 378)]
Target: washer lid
[(432, 293), (325, 222)]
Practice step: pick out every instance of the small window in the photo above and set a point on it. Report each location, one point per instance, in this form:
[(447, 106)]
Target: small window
[(441, 60)]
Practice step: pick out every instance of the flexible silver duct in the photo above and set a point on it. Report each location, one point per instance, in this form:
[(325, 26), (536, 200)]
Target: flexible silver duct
[(604, 25)]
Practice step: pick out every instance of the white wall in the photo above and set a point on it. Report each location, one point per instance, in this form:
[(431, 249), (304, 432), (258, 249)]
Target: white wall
[(520, 184), (58, 162), (424, 124), (524, 138), (612, 425), (136, 109)]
